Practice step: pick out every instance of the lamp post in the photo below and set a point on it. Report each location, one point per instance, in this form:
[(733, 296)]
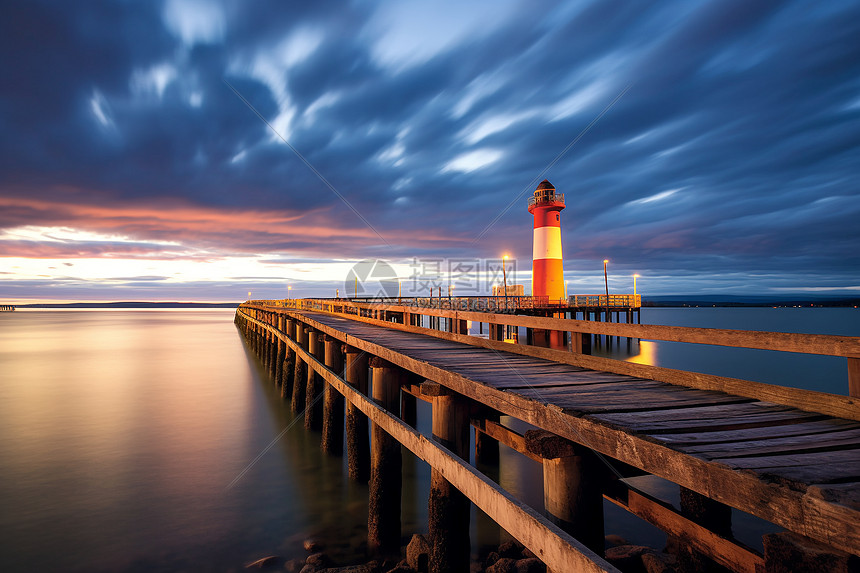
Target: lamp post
[(505, 279), (634, 284), (249, 296), (606, 282), (289, 288)]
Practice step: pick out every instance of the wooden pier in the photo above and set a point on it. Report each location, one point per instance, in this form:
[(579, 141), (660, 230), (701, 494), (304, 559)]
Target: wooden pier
[(788, 456)]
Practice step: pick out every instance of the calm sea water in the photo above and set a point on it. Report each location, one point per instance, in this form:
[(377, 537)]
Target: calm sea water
[(121, 432)]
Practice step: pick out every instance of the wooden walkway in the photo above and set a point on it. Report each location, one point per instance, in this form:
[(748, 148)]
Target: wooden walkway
[(795, 468), (788, 456)]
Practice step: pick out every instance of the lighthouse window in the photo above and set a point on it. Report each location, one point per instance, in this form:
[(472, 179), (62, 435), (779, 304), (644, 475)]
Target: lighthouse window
[(556, 216)]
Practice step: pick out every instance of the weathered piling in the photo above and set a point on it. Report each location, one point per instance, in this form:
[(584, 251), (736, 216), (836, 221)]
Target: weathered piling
[(486, 447), (448, 508), (280, 354), (300, 372), (333, 412), (572, 477), (357, 444), (383, 523), (314, 387), (711, 514)]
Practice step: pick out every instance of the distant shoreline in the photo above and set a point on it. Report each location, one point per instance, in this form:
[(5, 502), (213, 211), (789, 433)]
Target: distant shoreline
[(131, 304), (647, 302)]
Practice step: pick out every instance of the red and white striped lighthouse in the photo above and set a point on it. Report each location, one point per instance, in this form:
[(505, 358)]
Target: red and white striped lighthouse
[(547, 271)]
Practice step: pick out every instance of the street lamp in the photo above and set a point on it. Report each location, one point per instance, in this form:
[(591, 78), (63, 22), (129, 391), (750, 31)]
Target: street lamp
[(505, 278), (634, 284), (289, 288), (249, 296), (606, 282)]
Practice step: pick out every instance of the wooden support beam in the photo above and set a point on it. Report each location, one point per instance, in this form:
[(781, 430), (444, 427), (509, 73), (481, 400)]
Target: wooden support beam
[(854, 377), (572, 478), (314, 386), (357, 444), (726, 552), (333, 411), (383, 523), (506, 436), (487, 446), (280, 354), (448, 509), (300, 372)]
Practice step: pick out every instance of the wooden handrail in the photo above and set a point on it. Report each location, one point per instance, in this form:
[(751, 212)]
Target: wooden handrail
[(822, 344)]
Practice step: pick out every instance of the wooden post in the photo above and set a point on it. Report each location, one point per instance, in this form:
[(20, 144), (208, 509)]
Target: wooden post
[(280, 355), (854, 377), (357, 444), (408, 408), (332, 429), (708, 513), (572, 495), (448, 508), (300, 372), (487, 448), (386, 480), (464, 327), (314, 387)]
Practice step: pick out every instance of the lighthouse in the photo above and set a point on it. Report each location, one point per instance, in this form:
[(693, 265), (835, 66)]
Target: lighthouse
[(547, 272)]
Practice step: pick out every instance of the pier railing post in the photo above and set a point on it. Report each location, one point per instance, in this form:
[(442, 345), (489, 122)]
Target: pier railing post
[(314, 388), (386, 479), (572, 493), (300, 372), (357, 444), (854, 377), (332, 430), (448, 509)]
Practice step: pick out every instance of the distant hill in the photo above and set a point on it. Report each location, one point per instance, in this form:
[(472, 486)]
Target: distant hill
[(132, 304), (734, 300)]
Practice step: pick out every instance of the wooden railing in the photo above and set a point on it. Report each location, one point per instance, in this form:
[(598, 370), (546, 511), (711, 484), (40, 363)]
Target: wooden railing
[(847, 347), (499, 303)]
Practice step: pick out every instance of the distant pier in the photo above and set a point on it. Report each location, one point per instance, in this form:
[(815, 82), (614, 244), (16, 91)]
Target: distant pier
[(7, 308)]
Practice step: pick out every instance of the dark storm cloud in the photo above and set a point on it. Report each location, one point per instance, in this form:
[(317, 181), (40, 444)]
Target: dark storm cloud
[(734, 151)]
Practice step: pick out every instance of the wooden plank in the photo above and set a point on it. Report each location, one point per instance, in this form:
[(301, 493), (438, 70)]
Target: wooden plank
[(759, 433), (736, 423), (839, 406), (790, 508), (848, 439), (798, 470)]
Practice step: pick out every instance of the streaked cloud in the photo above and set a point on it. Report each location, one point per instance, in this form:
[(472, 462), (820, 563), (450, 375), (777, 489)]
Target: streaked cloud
[(730, 163)]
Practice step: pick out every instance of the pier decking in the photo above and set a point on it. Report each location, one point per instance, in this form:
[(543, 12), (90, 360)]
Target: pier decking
[(791, 457)]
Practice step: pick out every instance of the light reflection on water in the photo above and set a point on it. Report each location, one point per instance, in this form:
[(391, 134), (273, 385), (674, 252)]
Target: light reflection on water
[(119, 432)]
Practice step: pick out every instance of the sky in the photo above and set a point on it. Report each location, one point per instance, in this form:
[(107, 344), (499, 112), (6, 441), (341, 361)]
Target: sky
[(205, 149)]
